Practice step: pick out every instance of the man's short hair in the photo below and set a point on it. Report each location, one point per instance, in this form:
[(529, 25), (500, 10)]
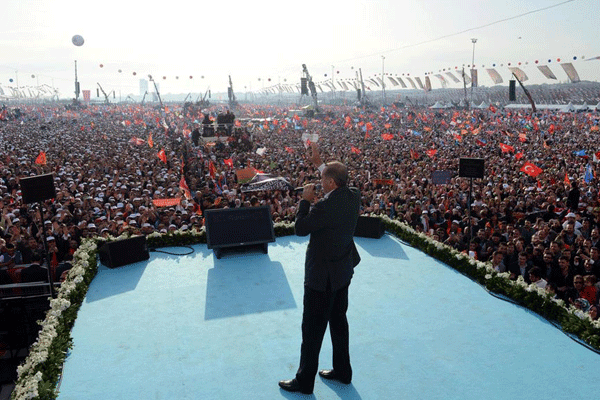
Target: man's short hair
[(338, 172)]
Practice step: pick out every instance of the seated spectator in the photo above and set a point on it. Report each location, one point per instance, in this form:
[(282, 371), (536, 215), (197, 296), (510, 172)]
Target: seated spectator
[(590, 292)]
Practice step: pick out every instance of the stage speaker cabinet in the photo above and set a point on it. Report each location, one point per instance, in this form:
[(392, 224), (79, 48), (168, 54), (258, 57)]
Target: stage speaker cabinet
[(369, 227), (512, 96), (236, 227), (471, 167), (122, 252), (37, 188)]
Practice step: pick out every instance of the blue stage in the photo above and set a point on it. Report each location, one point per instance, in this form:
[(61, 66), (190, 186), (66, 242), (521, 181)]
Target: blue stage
[(195, 327)]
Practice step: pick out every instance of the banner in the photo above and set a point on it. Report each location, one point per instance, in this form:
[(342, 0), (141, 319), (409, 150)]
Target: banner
[(419, 82), (427, 84), (544, 69), (454, 78), (411, 83), (443, 80), (244, 175), (86, 95), (519, 73), (494, 75), (401, 82), (571, 73), (383, 182), (473, 77), (166, 202)]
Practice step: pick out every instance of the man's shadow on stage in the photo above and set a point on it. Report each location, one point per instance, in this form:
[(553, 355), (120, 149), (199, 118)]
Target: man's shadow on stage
[(246, 282)]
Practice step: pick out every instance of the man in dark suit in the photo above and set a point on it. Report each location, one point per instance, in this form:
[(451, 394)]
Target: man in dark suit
[(330, 260)]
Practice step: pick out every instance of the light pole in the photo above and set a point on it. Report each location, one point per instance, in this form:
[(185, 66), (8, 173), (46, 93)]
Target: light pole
[(383, 78), (332, 83), (473, 40)]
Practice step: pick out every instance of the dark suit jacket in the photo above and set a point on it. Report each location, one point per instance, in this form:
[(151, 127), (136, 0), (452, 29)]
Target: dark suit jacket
[(331, 254)]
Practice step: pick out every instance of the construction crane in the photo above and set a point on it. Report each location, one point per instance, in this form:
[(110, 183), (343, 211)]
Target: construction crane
[(231, 95), (104, 93), (311, 87)]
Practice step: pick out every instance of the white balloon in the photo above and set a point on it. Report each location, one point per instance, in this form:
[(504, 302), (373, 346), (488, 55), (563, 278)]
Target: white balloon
[(77, 40)]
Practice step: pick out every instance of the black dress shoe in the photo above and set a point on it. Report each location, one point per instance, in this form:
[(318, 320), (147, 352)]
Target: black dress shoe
[(293, 386), (330, 374)]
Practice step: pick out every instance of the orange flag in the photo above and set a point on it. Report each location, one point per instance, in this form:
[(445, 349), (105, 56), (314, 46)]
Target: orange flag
[(162, 155), (41, 158)]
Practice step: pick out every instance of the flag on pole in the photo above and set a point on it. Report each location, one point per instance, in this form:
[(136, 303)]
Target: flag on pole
[(185, 188), (531, 169), (162, 155), (41, 158)]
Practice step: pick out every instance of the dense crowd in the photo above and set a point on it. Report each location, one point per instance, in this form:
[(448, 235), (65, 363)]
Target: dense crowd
[(111, 164)]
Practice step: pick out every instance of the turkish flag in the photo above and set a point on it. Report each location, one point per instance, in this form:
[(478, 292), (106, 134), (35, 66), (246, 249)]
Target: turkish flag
[(162, 155), (506, 148), (387, 136), (355, 150), (150, 141), (531, 169), (228, 162), (518, 156), (183, 186)]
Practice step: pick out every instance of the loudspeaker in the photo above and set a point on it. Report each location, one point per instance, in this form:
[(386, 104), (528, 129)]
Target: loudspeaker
[(122, 252), (37, 188), (304, 86), (471, 167), (511, 90), (370, 227)]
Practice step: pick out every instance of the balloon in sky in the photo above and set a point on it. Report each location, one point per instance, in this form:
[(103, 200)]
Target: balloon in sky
[(77, 40)]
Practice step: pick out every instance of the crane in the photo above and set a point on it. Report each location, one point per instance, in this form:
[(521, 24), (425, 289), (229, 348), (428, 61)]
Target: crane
[(311, 86), (104, 93), (231, 95)]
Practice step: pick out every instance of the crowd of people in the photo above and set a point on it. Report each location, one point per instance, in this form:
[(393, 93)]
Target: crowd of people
[(118, 168)]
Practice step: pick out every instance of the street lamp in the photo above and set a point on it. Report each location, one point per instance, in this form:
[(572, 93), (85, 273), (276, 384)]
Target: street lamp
[(383, 78), (473, 40)]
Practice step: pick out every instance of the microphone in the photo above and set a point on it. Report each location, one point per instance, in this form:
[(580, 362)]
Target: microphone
[(301, 188)]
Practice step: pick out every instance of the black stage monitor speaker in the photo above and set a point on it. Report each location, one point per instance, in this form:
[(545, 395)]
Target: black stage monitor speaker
[(37, 188), (512, 96), (471, 167), (122, 252), (370, 227), (232, 227)]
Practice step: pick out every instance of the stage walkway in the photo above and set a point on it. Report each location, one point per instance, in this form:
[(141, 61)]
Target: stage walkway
[(194, 327)]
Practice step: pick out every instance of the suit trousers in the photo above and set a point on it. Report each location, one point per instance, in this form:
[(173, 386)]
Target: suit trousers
[(320, 309)]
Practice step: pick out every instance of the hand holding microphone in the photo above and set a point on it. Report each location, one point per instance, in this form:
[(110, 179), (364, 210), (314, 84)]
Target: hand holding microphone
[(309, 192)]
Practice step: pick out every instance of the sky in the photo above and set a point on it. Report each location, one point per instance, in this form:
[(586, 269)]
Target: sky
[(190, 47)]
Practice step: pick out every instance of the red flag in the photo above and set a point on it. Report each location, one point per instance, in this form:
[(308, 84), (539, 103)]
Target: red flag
[(355, 150), (596, 156), (228, 162), (41, 158), (506, 148), (387, 136), (567, 180), (162, 155), (531, 170), (522, 137), (184, 188), (480, 142), (518, 156), (289, 149), (431, 153), (150, 141), (211, 170), (369, 126), (137, 141), (414, 155), (492, 108), (457, 137)]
